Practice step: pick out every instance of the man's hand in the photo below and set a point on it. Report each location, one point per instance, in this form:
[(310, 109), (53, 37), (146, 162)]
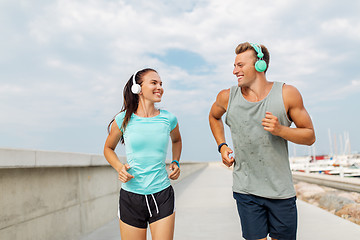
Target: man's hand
[(225, 152), (271, 124), (124, 176)]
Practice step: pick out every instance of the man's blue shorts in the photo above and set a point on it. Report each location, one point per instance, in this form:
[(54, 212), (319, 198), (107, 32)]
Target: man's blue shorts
[(260, 216)]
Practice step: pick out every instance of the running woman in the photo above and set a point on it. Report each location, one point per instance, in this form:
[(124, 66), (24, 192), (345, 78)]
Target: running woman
[(146, 196)]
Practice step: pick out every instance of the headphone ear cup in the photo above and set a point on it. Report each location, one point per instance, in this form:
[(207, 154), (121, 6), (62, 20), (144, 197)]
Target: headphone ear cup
[(136, 89), (260, 65)]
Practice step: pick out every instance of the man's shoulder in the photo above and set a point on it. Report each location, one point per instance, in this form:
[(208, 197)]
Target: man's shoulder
[(290, 90), (291, 95), (223, 96), (224, 93), (288, 87), (222, 99)]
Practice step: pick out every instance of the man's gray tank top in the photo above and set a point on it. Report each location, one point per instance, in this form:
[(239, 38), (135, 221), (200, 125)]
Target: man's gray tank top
[(261, 165)]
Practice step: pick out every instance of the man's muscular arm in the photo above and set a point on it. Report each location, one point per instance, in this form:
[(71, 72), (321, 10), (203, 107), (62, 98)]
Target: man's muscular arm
[(217, 127), (304, 132)]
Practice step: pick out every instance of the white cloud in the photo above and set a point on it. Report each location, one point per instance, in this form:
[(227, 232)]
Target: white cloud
[(350, 88), (9, 89), (63, 66), (349, 28), (81, 54)]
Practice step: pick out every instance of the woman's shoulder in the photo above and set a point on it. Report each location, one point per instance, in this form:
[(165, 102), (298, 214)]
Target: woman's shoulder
[(171, 118), (166, 113), (120, 116)]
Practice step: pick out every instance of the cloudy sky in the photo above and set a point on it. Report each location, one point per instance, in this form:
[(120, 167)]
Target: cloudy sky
[(64, 63)]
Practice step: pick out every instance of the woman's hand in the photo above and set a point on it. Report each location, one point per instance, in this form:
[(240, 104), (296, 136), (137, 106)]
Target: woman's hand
[(175, 171), (124, 176)]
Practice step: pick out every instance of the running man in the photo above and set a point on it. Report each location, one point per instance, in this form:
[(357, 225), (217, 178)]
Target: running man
[(259, 114)]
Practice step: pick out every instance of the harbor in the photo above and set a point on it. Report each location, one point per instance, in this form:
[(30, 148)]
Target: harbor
[(339, 165), (329, 182)]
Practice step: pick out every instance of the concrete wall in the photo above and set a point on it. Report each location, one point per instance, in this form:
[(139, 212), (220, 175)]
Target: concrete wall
[(55, 195)]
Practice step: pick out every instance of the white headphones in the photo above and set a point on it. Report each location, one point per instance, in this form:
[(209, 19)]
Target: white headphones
[(135, 88)]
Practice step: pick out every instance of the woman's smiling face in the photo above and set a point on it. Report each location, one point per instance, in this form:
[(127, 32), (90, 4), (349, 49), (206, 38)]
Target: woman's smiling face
[(151, 87)]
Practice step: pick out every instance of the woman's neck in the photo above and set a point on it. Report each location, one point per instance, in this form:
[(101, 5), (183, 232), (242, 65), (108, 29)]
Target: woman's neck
[(146, 109)]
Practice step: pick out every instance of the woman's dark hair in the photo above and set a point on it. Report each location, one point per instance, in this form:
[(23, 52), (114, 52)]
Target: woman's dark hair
[(131, 100)]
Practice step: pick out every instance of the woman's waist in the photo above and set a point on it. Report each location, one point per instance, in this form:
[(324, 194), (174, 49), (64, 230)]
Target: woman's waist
[(147, 184), (146, 164)]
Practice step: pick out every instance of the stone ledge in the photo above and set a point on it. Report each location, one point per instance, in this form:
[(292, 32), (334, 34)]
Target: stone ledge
[(23, 158), (345, 183)]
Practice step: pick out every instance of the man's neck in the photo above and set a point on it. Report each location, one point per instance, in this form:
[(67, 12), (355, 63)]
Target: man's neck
[(257, 91)]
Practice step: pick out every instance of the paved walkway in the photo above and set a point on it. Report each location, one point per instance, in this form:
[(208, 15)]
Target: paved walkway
[(206, 210)]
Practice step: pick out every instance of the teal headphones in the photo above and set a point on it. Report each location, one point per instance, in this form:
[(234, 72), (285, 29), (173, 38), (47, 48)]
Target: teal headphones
[(260, 64)]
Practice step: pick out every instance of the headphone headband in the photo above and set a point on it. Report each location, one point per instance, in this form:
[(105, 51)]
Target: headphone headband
[(134, 76), (135, 88), (258, 50), (260, 64)]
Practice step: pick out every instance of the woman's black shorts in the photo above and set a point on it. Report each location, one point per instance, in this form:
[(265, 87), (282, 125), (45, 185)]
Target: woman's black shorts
[(138, 210)]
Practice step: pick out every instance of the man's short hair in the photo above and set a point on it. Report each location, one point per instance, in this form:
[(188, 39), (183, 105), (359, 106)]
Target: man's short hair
[(243, 47)]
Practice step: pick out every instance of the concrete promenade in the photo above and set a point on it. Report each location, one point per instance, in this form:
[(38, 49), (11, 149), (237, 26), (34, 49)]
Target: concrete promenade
[(206, 210)]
